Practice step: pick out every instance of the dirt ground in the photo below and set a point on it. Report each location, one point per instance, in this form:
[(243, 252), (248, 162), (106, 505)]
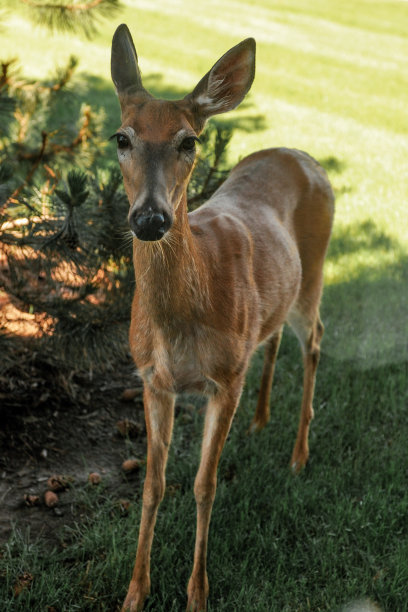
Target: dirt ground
[(46, 437)]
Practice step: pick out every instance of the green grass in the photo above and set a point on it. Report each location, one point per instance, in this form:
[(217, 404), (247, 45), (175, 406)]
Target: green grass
[(335, 534), (332, 79)]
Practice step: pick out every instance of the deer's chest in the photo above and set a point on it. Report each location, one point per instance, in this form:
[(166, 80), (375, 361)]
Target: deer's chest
[(179, 362)]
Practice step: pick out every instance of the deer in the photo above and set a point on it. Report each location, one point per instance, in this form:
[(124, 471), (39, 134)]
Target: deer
[(215, 283)]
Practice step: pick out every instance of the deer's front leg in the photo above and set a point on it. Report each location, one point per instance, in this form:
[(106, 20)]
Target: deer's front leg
[(159, 415), (218, 420)]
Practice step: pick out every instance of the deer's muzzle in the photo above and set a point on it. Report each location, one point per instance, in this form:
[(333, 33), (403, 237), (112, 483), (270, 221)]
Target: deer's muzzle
[(148, 224)]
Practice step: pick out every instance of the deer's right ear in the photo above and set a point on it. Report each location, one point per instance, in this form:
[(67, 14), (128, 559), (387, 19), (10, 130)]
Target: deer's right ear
[(124, 65)]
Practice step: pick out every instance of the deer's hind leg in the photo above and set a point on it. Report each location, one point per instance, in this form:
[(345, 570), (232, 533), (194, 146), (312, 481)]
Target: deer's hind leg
[(309, 331), (262, 411), (313, 220)]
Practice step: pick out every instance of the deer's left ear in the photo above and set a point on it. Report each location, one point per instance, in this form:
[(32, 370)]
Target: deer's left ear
[(227, 83)]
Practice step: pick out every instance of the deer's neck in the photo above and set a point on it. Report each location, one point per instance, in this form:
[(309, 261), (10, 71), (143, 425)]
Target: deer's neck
[(171, 278)]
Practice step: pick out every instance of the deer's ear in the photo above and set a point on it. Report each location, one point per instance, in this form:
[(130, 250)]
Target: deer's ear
[(227, 83), (124, 65)]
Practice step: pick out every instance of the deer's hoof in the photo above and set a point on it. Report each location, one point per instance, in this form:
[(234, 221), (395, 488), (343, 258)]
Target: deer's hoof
[(298, 462), (196, 606), (135, 598), (256, 426), (197, 595)]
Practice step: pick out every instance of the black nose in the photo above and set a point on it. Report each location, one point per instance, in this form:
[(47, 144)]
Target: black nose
[(149, 225)]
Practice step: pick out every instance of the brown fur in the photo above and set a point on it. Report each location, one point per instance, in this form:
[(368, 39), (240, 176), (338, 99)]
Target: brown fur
[(222, 280)]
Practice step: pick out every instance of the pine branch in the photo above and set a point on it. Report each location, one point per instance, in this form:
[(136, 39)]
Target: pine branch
[(71, 16), (36, 162), (5, 77), (7, 106), (63, 76), (74, 196), (48, 150), (84, 134), (7, 103)]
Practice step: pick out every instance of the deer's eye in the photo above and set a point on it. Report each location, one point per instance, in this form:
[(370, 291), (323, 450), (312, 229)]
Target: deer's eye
[(122, 140), (188, 144)]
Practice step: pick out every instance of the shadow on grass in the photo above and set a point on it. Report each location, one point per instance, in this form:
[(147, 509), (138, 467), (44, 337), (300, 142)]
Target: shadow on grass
[(364, 236), (366, 314), (333, 164), (335, 168)]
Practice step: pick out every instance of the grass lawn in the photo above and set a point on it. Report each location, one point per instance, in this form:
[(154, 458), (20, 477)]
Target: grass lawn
[(332, 79)]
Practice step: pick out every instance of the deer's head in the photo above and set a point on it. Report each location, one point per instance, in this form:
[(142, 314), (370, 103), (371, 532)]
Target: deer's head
[(157, 139)]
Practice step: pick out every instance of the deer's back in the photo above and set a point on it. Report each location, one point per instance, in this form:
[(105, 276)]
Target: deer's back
[(284, 181), (275, 207)]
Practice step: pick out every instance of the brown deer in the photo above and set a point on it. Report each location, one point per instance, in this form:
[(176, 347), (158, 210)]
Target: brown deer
[(213, 284)]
